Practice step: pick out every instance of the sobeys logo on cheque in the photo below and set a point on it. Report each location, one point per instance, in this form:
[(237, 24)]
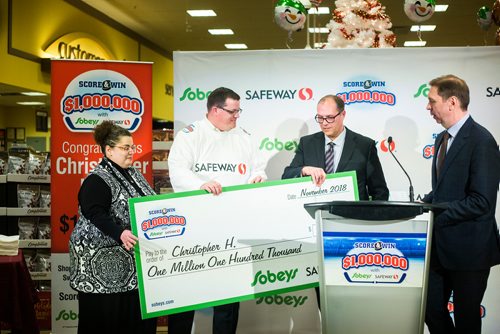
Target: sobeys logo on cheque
[(270, 277)]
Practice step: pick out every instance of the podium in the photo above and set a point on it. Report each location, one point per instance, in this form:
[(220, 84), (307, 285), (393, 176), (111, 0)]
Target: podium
[(373, 265)]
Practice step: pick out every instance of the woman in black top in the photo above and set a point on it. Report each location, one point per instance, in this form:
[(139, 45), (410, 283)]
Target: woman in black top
[(102, 262)]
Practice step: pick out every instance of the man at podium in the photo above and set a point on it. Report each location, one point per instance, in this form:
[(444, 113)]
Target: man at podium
[(337, 149), (465, 176)]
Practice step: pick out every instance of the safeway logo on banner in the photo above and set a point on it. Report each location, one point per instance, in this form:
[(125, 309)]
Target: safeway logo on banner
[(304, 94), (99, 95)]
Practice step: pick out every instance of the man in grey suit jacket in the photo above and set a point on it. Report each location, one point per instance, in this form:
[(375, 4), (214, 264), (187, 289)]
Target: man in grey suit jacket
[(352, 151), (465, 236)]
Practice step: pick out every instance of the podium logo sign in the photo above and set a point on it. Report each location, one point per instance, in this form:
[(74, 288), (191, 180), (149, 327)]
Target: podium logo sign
[(371, 259)]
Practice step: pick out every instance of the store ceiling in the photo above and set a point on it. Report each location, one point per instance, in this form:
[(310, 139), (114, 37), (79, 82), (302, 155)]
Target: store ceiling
[(166, 24), (11, 95)]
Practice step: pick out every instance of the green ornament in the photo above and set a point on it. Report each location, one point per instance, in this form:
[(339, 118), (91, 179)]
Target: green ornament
[(293, 3), (484, 18), (484, 13)]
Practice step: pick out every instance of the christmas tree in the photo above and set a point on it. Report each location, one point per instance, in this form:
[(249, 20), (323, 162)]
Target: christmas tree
[(360, 24)]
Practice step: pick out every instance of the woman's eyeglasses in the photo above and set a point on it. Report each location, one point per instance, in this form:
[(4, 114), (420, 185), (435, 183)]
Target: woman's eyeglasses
[(127, 148)]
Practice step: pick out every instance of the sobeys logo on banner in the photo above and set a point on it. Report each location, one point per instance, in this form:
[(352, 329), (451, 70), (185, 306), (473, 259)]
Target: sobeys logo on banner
[(192, 95), (98, 95), (67, 315), (282, 300), (269, 144), (423, 90)]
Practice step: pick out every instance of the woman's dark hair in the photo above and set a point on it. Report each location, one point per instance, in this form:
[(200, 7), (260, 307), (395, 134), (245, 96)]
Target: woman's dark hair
[(108, 133)]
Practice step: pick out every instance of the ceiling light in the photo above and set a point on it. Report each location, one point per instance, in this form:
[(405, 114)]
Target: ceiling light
[(201, 13), (319, 30), (319, 10), (423, 28), (236, 46), (415, 43), (221, 31), (33, 94), (31, 103), (441, 8)]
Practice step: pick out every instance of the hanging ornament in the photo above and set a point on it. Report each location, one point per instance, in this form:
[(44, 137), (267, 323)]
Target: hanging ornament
[(419, 10), (290, 14), (484, 20), (316, 3)]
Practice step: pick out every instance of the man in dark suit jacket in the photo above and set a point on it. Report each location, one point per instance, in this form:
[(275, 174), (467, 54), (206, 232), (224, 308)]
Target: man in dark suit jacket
[(352, 151), (465, 236)]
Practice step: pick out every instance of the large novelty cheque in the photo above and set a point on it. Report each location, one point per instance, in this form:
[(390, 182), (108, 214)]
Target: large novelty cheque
[(198, 250)]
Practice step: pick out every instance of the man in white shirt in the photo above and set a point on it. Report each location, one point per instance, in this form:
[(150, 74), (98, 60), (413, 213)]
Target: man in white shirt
[(210, 154)]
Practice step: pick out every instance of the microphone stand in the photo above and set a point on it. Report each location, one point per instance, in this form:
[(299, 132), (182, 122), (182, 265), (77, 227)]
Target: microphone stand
[(412, 198)]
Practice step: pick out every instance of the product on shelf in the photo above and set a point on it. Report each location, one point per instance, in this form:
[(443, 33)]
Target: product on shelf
[(163, 135), (160, 155), (28, 195), (45, 197), (36, 162), (43, 263), (4, 162), (18, 160), (46, 166), (44, 228), (30, 258), (161, 181), (27, 228)]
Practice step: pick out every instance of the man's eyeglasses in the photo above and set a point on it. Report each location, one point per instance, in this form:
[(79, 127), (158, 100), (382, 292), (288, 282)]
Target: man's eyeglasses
[(127, 148), (232, 112), (329, 119)]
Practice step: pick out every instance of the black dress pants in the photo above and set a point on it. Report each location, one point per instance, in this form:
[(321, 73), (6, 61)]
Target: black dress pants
[(112, 313), (468, 289)]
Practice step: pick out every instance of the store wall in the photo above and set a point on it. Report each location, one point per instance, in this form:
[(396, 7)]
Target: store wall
[(163, 78), (23, 117), (34, 25)]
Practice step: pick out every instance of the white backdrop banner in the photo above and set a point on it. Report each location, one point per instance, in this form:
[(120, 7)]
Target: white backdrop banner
[(386, 95)]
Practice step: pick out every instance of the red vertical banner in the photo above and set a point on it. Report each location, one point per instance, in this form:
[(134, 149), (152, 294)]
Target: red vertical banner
[(85, 93)]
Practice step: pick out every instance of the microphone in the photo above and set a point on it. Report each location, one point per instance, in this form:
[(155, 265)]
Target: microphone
[(389, 141)]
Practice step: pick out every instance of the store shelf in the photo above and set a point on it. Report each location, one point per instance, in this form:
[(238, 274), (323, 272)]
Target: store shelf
[(40, 275), (28, 178), (3, 211), (3, 178), (160, 165), (28, 212), (35, 243), (162, 145)]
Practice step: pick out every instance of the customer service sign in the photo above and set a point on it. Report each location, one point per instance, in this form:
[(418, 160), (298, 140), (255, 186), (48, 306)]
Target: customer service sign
[(197, 250)]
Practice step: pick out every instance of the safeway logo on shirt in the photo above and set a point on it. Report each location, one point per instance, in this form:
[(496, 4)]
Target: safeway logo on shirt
[(220, 167)]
